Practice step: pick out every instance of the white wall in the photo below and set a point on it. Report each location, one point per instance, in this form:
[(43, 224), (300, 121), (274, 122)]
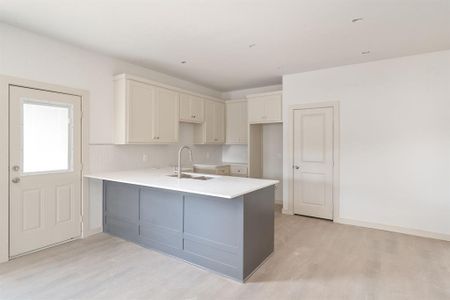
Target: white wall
[(395, 138), (235, 153), (34, 57)]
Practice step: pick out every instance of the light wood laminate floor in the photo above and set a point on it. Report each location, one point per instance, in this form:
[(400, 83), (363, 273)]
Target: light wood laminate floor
[(313, 259)]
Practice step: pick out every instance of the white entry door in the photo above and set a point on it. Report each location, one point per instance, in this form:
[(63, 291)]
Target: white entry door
[(45, 168), (313, 162)]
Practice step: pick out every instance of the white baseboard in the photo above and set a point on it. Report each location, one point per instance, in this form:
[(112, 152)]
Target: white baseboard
[(93, 231), (398, 229), (286, 212)]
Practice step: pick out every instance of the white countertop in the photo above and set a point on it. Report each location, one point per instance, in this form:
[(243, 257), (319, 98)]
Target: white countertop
[(219, 186)]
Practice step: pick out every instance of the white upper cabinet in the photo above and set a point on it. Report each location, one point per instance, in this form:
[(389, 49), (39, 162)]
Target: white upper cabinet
[(191, 108), (212, 130), (236, 122), (145, 113), (265, 108), (166, 116)]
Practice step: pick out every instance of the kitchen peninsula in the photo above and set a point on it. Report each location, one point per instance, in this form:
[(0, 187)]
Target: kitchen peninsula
[(222, 223)]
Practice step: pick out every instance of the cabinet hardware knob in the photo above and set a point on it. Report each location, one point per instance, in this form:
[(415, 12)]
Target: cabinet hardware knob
[(15, 180), (296, 167), (16, 168)]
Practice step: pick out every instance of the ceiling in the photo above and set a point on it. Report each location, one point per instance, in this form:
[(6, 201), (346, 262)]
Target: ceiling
[(236, 44)]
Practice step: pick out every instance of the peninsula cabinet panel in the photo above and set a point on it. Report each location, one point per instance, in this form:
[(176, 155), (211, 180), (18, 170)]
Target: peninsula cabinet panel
[(191, 108), (121, 210), (144, 113), (212, 130), (265, 108), (236, 122), (229, 236)]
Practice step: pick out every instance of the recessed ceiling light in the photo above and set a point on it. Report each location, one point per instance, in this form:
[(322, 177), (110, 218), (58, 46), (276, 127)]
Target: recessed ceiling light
[(365, 52), (357, 20), (183, 62), (252, 45)]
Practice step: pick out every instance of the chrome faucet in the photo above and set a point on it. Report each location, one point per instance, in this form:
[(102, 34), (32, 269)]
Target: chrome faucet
[(179, 158)]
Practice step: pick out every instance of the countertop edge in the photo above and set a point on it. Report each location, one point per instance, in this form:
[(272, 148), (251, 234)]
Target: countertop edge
[(93, 176)]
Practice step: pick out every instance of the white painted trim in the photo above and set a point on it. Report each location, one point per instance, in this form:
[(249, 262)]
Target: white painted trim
[(235, 101), (170, 87), (392, 228), (5, 82), (336, 154), (265, 94)]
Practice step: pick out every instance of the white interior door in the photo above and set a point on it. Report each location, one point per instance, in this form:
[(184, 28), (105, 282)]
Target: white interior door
[(313, 162), (45, 168)]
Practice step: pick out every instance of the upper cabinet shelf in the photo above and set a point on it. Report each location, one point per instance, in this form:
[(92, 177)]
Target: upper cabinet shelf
[(265, 108)]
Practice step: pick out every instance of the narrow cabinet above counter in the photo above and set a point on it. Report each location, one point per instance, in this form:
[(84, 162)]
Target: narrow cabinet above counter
[(236, 122), (191, 108), (212, 130)]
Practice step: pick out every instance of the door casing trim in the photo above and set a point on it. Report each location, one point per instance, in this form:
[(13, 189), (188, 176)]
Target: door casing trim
[(5, 82), (289, 208)]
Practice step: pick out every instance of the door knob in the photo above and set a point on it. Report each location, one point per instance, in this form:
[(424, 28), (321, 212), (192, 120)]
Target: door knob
[(15, 180)]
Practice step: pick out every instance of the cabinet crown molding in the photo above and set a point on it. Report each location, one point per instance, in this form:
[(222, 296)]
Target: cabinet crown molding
[(265, 94), (163, 85)]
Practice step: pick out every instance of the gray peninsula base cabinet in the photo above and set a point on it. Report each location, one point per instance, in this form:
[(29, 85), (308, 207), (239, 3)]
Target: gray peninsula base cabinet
[(229, 236)]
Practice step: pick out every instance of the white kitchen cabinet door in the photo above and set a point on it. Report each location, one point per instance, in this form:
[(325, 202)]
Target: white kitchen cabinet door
[(243, 137), (145, 113), (185, 107), (196, 107), (219, 111), (265, 108), (212, 130), (256, 110), (209, 127), (272, 107), (191, 108), (236, 122), (141, 102), (166, 116)]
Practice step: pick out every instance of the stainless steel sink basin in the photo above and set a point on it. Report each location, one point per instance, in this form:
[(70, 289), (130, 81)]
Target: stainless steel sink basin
[(191, 177), (202, 177)]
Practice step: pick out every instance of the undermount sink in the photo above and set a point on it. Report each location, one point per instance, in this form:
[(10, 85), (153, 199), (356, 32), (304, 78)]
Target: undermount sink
[(191, 177)]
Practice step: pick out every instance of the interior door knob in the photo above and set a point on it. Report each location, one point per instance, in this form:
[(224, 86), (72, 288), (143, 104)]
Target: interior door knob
[(15, 180)]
